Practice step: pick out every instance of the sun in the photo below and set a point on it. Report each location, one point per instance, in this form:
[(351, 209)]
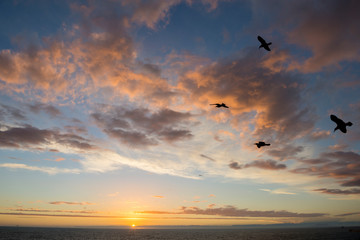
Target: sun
[(133, 225)]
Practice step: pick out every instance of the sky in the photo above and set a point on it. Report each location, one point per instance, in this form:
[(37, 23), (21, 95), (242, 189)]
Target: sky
[(105, 115)]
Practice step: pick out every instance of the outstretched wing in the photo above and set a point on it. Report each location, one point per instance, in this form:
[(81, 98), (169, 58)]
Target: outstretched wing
[(336, 119), (261, 40)]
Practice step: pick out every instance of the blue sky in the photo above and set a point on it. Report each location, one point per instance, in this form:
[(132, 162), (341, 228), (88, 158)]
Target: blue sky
[(106, 116)]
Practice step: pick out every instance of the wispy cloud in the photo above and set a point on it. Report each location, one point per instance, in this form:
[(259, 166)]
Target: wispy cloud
[(48, 170), (71, 203), (207, 157), (51, 210), (348, 214), (339, 191), (278, 191)]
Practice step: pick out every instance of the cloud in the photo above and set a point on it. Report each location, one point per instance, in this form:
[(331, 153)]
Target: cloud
[(326, 28), (278, 191), (318, 135), (105, 216), (337, 165), (248, 87), (235, 165), (339, 191), (329, 24), (47, 108), (71, 203), (150, 12), (11, 113), (113, 194), (48, 170), (52, 210), (263, 164), (352, 183), (338, 147), (94, 55), (32, 137), (157, 196), (209, 158), (347, 214), (140, 127), (231, 211), (59, 215), (285, 152)]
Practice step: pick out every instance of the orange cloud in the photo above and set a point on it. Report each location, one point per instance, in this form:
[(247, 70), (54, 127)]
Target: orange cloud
[(158, 196)]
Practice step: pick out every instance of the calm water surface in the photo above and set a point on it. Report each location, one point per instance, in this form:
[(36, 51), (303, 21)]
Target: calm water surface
[(183, 234)]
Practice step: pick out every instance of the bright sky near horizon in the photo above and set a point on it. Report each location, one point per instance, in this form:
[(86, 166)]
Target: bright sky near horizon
[(105, 115)]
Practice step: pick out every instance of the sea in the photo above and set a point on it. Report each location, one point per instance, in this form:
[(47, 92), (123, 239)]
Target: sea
[(337, 233)]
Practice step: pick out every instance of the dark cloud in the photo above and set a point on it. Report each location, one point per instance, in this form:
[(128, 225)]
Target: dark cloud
[(231, 211), (338, 191), (352, 183), (49, 109), (209, 158), (32, 137), (140, 127), (263, 164), (11, 112), (285, 152), (266, 164), (150, 68), (338, 165), (235, 165), (315, 161), (347, 214)]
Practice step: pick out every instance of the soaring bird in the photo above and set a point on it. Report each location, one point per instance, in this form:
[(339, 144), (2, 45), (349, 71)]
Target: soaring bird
[(340, 124), (264, 44), (261, 144), (218, 105)]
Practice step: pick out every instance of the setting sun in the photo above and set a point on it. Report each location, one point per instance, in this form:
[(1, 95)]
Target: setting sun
[(133, 225)]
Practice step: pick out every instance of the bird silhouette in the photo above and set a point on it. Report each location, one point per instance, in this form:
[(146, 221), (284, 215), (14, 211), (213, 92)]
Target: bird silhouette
[(264, 44), (340, 124), (261, 144), (218, 105)]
